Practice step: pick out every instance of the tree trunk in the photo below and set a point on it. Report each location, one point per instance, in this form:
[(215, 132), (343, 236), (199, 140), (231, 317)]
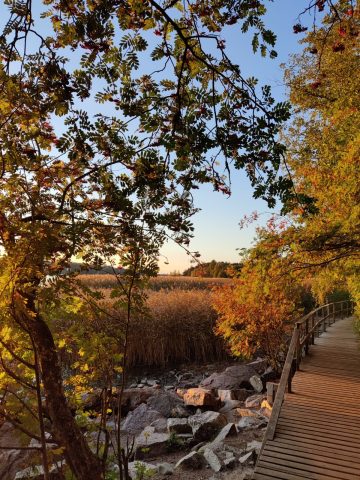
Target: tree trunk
[(83, 463)]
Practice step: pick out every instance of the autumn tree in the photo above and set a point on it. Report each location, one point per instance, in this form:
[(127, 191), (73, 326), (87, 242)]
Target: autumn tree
[(98, 154), (318, 247)]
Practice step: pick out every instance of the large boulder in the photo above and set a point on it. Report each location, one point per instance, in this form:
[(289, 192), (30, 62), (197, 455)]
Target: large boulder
[(178, 425), (254, 401), (206, 425), (165, 402), (150, 443), (200, 397), (239, 394), (133, 397), (140, 418), (233, 378)]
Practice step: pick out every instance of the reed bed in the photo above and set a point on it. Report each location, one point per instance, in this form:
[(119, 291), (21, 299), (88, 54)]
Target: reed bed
[(168, 282), (179, 324)]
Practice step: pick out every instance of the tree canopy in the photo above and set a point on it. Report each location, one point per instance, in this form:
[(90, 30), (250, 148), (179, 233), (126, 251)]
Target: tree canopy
[(318, 248), (111, 113)]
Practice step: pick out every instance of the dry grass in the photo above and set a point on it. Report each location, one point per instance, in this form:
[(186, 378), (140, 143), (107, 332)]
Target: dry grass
[(168, 282), (179, 326), (180, 329)]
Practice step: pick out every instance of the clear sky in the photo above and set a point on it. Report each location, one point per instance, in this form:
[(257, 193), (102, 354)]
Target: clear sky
[(217, 232)]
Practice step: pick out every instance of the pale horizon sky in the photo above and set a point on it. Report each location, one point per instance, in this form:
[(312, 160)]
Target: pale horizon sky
[(217, 234)]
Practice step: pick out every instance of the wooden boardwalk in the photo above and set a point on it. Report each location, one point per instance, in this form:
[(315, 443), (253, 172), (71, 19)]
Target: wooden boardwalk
[(317, 435)]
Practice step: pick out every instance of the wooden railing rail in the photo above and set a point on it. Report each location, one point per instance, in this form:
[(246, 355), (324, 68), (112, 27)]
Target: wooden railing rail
[(305, 331)]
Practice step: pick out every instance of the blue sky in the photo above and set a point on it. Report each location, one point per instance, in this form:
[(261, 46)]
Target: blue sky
[(217, 233)]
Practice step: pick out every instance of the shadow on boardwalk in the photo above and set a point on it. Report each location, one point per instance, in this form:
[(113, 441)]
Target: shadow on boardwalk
[(317, 435)]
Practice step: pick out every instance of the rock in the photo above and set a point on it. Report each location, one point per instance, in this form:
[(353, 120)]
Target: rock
[(245, 412), (180, 411), (164, 402), (180, 392), (153, 383), (165, 469), (206, 425), (135, 469), (254, 401), (12, 461), (233, 378), (238, 394), (178, 425), (151, 443), (256, 383), (92, 400), (199, 397), (212, 459), (228, 431), (269, 375), (247, 423), (192, 461), (265, 409), (133, 397), (140, 385), (169, 387), (230, 405), (140, 418), (230, 462), (254, 446), (248, 458), (259, 365), (160, 425), (36, 472)]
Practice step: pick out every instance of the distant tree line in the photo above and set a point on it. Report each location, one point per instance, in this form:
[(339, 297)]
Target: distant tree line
[(213, 269)]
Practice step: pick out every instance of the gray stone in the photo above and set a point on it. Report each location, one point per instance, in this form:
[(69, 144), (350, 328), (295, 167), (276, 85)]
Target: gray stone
[(235, 394), (212, 459), (230, 405), (164, 402), (228, 431), (192, 461), (247, 423), (254, 446), (165, 468), (160, 425), (233, 378), (256, 383), (151, 443), (230, 462), (178, 425), (254, 401), (248, 458), (140, 418), (206, 425)]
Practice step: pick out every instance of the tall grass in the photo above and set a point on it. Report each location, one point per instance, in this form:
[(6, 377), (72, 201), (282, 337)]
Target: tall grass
[(179, 325), (168, 282)]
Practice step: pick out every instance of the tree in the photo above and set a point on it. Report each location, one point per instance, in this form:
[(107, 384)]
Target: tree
[(97, 156), (318, 247)]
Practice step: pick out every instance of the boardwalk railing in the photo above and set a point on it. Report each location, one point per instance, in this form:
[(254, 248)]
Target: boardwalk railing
[(305, 331)]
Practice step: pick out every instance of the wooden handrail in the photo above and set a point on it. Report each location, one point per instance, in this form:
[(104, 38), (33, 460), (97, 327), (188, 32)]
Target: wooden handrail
[(303, 335)]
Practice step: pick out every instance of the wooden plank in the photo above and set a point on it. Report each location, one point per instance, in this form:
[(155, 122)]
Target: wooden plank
[(312, 439), (315, 473), (311, 462), (314, 449), (316, 434), (296, 425)]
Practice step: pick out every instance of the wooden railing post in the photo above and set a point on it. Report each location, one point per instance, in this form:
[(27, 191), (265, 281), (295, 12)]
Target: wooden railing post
[(307, 336), (312, 329)]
